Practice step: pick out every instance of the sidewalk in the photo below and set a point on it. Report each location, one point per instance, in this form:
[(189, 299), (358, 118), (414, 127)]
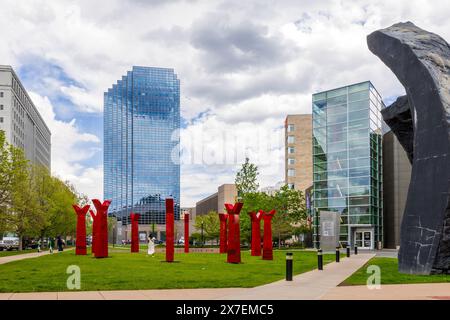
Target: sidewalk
[(24, 256), (310, 285), (428, 291)]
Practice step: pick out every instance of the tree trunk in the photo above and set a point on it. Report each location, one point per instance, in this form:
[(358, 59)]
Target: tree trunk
[(20, 242), (279, 240)]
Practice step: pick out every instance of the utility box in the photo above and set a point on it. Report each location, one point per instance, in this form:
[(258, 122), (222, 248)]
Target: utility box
[(330, 223)]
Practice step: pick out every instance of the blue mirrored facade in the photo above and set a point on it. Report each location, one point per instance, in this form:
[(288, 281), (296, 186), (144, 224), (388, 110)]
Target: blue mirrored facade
[(347, 162), (141, 144)]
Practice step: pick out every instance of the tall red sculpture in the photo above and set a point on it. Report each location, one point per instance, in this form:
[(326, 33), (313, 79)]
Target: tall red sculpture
[(186, 233), (169, 230), (101, 246), (267, 243), (95, 225), (255, 217), (223, 232), (80, 243), (135, 231), (234, 241)]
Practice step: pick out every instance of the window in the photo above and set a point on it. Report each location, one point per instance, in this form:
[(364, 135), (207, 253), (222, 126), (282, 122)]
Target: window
[(291, 186), (291, 172), (291, 150), (290, 139), (291, 161), (290, 128), (1, 119), (1, 94), (1, 107)]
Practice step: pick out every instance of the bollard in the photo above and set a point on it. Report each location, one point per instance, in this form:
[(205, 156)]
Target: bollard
[(356, 250), (289, 266), (319, 259), (338, 254), (348, 252)]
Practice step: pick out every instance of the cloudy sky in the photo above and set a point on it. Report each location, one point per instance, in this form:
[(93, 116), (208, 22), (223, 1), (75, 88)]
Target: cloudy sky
[(243, 66)]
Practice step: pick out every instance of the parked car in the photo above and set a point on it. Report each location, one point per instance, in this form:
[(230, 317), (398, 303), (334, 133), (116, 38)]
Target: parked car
[(9, 242)]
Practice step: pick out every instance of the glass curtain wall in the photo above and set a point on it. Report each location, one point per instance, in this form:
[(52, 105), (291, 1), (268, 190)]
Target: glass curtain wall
[(141, 144), (347, 158)]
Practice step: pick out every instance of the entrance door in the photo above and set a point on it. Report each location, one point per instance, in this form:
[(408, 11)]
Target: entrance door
[(363, 239)]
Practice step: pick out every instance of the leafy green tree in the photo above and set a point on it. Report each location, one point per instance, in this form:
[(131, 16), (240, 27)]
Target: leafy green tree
[(211, 225), (247, 178), (61, 216), (24, 217), (5, 182), (291, 212), (253, 202), (32, 202)]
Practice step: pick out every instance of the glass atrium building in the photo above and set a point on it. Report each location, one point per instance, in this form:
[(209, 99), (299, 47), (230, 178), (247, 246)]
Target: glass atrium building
[(347, 162), (141, 144)]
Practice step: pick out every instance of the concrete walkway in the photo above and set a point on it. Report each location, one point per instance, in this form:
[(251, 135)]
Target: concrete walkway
[(427, 291), (310, 285), (24, 256)]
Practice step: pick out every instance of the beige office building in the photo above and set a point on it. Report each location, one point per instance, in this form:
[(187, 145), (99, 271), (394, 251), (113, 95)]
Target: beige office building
[(298, 151), (226, 193)]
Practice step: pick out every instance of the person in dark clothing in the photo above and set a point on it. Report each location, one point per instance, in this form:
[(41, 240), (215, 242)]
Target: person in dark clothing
[(60, 243)]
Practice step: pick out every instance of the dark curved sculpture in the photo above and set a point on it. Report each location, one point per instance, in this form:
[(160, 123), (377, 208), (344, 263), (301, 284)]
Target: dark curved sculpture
[(421, 121)]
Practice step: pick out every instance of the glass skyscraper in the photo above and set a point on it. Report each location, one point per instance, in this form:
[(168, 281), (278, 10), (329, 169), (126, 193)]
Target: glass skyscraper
[(347, 162), (141, 144)]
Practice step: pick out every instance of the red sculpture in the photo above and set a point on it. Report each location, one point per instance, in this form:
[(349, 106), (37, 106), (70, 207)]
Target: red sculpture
[(80, 242), (223, 232), (134, 231), (169, 230), (234, 241), (186, 233), (267, 244), (94, 230), (256, 232), (101, 246)]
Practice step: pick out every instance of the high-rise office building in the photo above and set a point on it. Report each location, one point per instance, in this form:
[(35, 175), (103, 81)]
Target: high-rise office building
[(347, 162), (298, 151), (20, 120), (141, 144)]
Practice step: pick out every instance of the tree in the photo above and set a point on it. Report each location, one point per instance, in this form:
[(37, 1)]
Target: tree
[(61, 216), (291, 212), (211, 225), (24, 217), (5, 181), (246, 178), (253, 202), (32, 202)]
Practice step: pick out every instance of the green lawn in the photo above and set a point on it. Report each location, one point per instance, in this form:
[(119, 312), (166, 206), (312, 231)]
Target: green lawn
[(390, 274), (123, 270)]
